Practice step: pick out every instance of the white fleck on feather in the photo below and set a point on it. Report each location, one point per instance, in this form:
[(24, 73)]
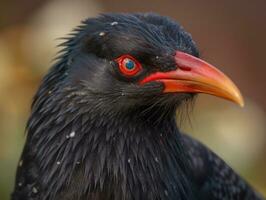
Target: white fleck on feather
[(101, 33), (72, 134), (34, 190), (114, 23)]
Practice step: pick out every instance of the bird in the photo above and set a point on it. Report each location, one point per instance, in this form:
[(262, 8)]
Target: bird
[(103, 123)]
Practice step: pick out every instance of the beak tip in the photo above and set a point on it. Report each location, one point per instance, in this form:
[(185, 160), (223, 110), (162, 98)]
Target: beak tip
[(242, 103), (239, 100)]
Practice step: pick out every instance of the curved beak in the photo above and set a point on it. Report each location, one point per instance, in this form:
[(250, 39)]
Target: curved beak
[(194, 75)]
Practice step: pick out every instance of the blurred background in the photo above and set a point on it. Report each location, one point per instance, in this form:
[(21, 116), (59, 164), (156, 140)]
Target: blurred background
[(230, 35)]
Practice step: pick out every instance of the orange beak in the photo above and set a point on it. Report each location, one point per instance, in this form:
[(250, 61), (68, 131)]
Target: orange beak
[(194, 75)]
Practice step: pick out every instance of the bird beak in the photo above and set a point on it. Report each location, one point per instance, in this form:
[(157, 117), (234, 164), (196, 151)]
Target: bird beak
[(194, 75)]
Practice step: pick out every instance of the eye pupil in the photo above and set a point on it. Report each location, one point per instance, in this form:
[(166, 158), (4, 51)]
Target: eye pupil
[(129, 64)]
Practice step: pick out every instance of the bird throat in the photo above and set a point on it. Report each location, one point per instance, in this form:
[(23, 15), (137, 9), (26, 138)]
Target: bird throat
[(123, 157)]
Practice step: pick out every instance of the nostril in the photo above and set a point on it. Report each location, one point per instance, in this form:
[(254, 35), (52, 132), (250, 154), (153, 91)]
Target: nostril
[(185, 68)]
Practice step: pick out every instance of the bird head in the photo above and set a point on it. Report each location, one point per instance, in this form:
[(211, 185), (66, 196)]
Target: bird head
[(116, 74), (122, 62)]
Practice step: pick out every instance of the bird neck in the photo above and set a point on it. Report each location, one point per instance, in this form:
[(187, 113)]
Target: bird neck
[(126, 156)]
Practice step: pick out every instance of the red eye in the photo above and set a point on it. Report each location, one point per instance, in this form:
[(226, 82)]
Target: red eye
[(128, 65)]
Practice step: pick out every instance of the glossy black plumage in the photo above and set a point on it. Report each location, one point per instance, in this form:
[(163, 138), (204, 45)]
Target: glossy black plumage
[(94, 134)]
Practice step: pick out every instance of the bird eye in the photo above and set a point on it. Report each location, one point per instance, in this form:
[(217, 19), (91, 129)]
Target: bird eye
[(128, 65)]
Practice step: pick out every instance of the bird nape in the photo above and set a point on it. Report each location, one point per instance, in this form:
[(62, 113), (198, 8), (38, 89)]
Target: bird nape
[(103, 122)]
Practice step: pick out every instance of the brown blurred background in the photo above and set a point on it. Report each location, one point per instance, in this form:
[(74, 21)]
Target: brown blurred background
[(230, 35)]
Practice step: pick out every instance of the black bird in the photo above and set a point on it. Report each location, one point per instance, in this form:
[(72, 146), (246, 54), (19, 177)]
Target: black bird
[(103, 122)]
